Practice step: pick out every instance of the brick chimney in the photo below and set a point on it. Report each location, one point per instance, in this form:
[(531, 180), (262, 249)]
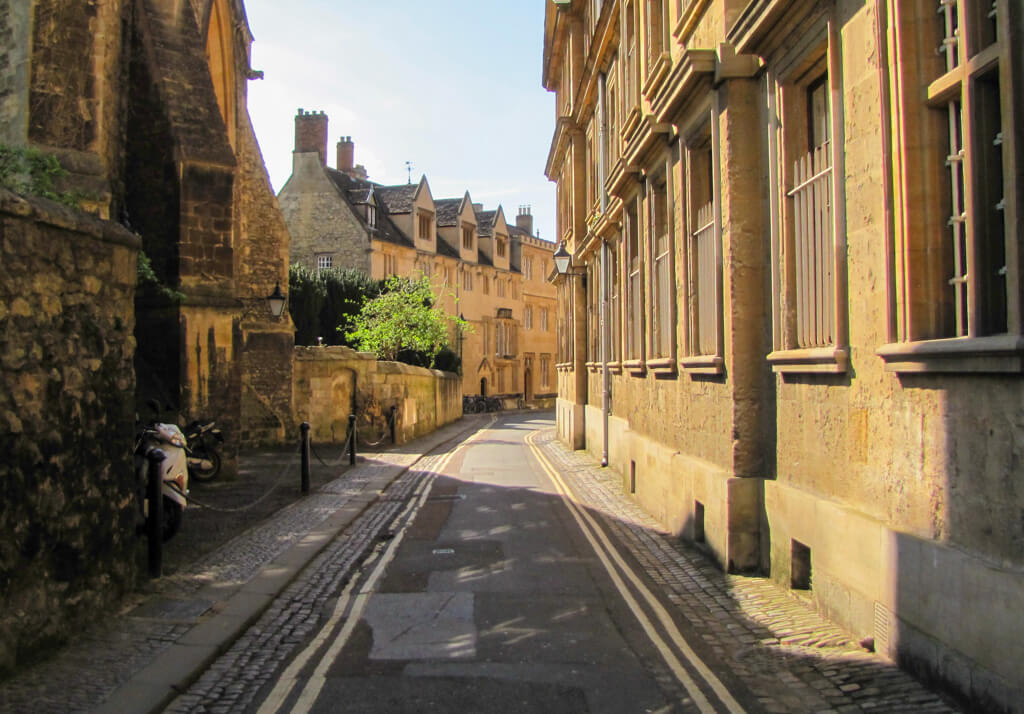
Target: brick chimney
[(524, 219), (346, 154), (311, 134)]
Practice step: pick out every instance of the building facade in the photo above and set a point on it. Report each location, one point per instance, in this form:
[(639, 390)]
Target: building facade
[(793, 321), (144, 103), (474, 258)]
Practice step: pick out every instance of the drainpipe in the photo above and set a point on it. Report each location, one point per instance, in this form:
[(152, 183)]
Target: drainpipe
[(602, 132), (882, 22)]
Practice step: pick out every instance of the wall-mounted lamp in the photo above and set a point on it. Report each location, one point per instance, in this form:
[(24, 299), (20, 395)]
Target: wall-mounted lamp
[(563, 260), (277, 300)]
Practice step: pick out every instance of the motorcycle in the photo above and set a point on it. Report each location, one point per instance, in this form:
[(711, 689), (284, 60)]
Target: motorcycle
[(203, 459), (174, 489)]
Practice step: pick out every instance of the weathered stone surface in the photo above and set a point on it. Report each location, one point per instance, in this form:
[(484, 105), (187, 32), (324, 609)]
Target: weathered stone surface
[(67, 511), (331, 382)]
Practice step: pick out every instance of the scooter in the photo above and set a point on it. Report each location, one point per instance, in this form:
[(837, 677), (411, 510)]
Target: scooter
[(203, 459), (169, 439)]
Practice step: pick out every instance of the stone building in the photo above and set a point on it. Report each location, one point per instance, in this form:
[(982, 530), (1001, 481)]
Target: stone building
[(793, 322), (144, 103), (483, 267)]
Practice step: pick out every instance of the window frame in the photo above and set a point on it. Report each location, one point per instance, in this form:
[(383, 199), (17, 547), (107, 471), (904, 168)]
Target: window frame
[(788, 83), (920, 311), (322, 258), (700, 177), (661, 333)]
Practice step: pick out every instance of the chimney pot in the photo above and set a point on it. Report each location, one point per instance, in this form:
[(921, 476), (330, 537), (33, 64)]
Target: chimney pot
[(346, 154), (311, 133)]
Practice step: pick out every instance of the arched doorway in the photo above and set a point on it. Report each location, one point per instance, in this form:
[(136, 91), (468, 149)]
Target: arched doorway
[(483, 386)]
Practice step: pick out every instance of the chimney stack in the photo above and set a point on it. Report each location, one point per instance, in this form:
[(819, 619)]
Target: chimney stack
[(311, 134), (346, 155), (524, 219)]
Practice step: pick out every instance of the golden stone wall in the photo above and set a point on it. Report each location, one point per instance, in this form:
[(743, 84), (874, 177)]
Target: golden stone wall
[(883, 463)]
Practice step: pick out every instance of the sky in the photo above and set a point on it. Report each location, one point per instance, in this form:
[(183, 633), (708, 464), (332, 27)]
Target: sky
[(452, 86)]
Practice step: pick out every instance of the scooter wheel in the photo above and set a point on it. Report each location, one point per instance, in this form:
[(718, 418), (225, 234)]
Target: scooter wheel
[(204, 465), (173, 515)]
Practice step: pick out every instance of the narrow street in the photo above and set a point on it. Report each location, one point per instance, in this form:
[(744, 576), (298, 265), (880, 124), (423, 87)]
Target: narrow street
[(493, 577)]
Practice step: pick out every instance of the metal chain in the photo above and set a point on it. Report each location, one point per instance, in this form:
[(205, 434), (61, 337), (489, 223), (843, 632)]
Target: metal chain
[(285, 471), (344, 451)]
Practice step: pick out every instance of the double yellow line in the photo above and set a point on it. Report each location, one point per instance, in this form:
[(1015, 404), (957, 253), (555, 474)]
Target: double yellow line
[(314, 686), (617, 569)]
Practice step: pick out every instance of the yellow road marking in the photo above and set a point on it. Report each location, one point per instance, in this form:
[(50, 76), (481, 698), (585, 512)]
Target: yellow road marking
[(288, 680), (606, 553)]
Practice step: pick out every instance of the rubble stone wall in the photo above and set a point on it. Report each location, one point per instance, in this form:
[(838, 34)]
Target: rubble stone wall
[(67, 543), (325, 379)]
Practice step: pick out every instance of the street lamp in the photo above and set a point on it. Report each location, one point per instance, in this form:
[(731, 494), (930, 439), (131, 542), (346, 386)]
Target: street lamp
[(563, 260), (276, 300)]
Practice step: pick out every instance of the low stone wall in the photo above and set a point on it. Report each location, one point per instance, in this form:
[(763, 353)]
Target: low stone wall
[(332, 382), (67, 542)]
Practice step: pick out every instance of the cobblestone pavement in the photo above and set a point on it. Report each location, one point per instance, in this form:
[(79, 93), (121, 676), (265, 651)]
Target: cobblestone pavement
[(84, 674), (233, 681), (792, 659), (778, 645)]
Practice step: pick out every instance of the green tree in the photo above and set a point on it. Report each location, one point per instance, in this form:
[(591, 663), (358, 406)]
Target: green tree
[(403, 318)]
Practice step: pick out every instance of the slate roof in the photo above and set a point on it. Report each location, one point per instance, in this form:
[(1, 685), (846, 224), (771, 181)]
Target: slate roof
[(360, 196), (485, 223), (446, 250), (356, 192), (398, 199), (448, 211)]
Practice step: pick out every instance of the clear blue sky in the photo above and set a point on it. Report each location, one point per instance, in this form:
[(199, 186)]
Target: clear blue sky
[(454, 86)]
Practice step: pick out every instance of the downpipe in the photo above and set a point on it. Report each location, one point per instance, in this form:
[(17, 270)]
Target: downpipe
[(602, 132)]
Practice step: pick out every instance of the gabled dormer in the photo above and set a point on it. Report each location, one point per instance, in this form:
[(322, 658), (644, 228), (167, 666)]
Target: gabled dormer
[(456, 227), (411, 208), (502, 248), (469, 236), (425, 218)]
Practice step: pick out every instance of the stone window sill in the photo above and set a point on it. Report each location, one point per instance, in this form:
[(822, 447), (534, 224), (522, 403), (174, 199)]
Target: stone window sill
[(703, 364), (662, 366), (994, 354), (817, 360), (564, 367), (635, 367)]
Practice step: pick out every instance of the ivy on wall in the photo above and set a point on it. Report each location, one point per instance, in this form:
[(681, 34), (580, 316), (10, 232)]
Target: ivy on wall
[(324, 303)]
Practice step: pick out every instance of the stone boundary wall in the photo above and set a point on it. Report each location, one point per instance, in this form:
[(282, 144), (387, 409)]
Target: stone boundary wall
[(329, 382), (67, 531)]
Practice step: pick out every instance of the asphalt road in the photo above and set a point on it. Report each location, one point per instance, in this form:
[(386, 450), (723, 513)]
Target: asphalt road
[(488, 597)]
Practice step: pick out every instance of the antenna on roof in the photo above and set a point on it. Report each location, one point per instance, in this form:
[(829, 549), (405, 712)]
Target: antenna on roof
[(408, 168)]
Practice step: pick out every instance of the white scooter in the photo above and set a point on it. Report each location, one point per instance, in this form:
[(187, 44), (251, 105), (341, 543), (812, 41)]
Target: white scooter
[(169, 439)]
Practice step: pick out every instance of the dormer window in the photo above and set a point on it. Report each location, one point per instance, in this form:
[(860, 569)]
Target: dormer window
[(500, 247), (371, 215), (425, 221), (467, 237)]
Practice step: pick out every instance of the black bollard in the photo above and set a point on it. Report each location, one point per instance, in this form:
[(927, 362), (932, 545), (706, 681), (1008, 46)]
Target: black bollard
[(304, 430), (352, 439), (155, 515)]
